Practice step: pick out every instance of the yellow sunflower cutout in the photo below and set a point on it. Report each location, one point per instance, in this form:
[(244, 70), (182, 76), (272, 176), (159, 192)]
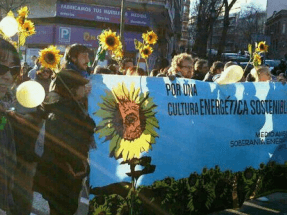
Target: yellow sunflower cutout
[(150, 37), (109, 40), (146, 51), (128, 121), (20, 20), (262, 47), (23, 12), (257, 61), (50, 57), (28, 28), (119, 54)]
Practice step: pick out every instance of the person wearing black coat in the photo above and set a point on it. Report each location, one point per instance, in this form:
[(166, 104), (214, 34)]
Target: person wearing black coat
[(68, 138)]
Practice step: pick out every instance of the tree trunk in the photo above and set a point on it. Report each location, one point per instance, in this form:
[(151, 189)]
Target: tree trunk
[(225, 27), (200, 44)]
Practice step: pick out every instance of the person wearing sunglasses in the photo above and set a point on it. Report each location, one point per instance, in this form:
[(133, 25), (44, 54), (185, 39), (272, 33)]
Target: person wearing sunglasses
[(9, 69), (44, 77)]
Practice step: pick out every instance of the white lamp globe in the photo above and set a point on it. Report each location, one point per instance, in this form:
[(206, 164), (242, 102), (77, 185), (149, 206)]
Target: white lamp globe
[(9, 26), (30, 94)]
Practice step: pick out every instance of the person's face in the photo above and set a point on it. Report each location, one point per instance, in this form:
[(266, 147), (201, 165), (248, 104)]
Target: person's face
[(45, 74), (219, 71), (80, 92), (128, 65), (204, 68), (264, 77), (6, 78), (186, 69), (82, 61)]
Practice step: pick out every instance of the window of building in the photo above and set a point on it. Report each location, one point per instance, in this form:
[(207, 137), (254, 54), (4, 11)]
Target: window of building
[(283, 28)]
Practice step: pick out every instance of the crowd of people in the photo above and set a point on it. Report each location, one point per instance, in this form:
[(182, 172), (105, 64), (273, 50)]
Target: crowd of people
[(45, 149)]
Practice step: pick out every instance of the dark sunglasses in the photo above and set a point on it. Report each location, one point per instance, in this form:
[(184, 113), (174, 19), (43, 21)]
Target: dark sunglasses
[(15, 70)]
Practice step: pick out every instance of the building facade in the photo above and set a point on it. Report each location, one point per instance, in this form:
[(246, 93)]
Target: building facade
[(66, 22), (276, 28)]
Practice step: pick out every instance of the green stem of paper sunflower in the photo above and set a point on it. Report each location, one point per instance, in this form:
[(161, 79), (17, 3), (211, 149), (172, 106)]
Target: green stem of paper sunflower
[(18, 45), (248, 63), (147, 69), (138, 64)]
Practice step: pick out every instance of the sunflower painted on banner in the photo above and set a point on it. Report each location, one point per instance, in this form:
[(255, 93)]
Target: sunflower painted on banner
[(109, 40), (128, 121), (50, 57), (146, 51), (150, 37), (262, 47)]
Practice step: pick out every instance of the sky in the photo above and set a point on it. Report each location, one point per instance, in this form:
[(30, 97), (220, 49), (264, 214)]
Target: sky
[(260, 3)]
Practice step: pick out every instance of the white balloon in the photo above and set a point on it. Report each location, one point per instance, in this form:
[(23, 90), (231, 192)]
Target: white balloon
[(231, 75), (9, 26), (30, 94)]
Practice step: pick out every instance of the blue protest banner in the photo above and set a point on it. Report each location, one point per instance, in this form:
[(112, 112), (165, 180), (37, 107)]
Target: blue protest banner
[(183, 125)]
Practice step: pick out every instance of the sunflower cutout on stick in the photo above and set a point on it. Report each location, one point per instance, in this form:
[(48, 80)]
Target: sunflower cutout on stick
[(129, 121), (50, 58), (26, 27), (21, 26), (22, 15), (258, 55), (257, 61), (150, 37), (109, 40), (262, 47), (145, 50)]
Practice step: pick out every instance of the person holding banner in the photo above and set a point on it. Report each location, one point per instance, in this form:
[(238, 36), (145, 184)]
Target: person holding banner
[(68, 137), (77, 58), (200, 69), (182, 66), (216, 69)]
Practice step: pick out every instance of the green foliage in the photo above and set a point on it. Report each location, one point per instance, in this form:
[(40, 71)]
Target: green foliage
[(204, 193)]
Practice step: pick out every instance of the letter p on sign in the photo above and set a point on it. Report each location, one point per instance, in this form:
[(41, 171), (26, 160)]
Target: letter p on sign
[(64, 34)]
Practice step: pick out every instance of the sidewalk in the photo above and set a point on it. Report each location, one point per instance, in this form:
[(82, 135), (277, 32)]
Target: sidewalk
[(277, 204)]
